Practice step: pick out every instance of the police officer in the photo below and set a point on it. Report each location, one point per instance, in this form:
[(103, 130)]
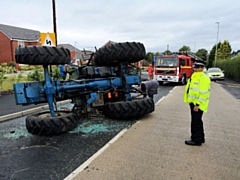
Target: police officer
[(196, 94)]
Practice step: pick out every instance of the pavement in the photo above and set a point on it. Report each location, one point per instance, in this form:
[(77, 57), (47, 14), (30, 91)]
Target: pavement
[(154, 148)]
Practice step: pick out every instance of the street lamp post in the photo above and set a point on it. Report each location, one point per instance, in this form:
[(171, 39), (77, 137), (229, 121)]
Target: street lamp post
[(216, 45)]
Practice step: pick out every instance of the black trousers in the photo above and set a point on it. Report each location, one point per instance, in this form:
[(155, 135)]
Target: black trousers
[(150, 95), (197, 130)]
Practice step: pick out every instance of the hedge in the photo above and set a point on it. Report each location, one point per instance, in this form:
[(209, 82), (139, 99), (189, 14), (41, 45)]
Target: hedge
[(231, 67)]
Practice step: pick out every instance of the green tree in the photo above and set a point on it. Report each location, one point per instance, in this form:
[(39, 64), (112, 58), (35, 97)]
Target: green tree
[(185, 48), (149, 57), (202, 53), (167, 52), (235, 53), (211, 57), (224, 52), (157, 54)]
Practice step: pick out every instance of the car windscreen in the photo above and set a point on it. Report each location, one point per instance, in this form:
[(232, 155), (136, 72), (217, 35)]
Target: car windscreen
[(214, 70), (168, 61)]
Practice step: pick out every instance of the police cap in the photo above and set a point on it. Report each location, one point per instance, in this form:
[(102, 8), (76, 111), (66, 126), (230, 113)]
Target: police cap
[(199, 63)]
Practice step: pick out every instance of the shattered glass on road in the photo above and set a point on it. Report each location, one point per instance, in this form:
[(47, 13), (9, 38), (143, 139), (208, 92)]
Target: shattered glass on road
[(25, 156)]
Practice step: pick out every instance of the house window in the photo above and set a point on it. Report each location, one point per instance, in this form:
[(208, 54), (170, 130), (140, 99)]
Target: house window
[(20, 43)]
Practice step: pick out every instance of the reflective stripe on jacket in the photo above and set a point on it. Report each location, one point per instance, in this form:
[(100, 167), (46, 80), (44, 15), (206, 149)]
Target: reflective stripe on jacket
[(197, 90)]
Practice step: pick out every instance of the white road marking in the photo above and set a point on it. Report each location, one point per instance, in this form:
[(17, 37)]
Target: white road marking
[(164, 96), (86, 163), (160, 100)]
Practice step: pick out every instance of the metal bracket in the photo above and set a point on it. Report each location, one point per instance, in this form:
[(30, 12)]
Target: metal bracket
[(92, 98)]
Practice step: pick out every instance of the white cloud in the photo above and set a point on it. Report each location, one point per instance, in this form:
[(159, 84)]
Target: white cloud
[(152, 22)]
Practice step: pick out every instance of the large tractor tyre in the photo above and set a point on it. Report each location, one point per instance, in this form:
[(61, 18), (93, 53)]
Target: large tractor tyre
[(42, 55), (120, 52), (129, 110), (44, 124)]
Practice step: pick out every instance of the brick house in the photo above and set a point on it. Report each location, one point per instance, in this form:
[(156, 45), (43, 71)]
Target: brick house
[(12, 37), (77, 54), (109, 43)]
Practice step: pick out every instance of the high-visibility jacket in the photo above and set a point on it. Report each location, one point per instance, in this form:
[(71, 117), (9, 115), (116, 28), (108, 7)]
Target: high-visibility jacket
[(197, 90), (150, 71)]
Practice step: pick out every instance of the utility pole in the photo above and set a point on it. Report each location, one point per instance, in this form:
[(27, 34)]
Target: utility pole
[(75, 50), (54, 20), (216, 45)]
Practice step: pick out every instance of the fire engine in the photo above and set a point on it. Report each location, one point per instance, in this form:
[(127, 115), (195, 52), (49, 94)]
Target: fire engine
[(176, 67)]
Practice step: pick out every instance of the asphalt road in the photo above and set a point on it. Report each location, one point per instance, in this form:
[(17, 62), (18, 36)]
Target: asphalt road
[(232, 87), (8, 105), (25, 156)]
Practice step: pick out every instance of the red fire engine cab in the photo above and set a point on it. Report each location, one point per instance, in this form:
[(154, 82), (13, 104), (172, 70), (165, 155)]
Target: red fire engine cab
[(174, 68)]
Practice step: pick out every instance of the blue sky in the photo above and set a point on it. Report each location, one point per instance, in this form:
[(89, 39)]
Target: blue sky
[(155, 23)]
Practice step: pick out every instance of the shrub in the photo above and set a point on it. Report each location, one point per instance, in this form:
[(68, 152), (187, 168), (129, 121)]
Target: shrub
[(39, 67), (24, 68), (231, 67), (12, 64), (19, 77), (56, 73), (7, 69), (35, 76), (31, 67), (12, 79), (4, 64), (2, 77)]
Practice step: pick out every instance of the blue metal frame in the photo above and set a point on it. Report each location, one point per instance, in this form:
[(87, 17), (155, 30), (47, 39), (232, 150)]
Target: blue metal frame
[(49, 91), (39, 92)]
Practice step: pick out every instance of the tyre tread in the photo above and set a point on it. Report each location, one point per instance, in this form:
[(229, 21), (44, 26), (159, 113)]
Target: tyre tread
[(51, 125), (42, 55), (111, 55), (129, 110)]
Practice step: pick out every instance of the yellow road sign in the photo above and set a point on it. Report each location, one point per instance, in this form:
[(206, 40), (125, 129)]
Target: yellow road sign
[(48, 39)]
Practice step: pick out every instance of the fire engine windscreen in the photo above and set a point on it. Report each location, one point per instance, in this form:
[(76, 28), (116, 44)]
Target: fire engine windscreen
[(166, 61)]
